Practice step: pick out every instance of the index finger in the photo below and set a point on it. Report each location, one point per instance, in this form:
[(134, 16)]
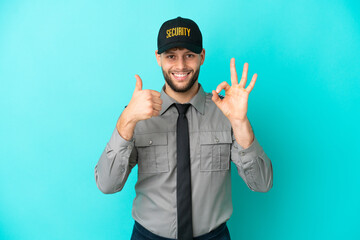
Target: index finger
[(234, 78), (155, 93)]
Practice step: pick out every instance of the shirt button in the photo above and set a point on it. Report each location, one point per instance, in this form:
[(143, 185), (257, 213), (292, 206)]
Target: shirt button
[(129, 147), (242, 153), (216, 140), (122, 169), (150, 142)]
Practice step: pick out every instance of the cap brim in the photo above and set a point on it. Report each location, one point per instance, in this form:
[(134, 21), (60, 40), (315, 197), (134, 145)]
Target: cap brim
[(191, 47)]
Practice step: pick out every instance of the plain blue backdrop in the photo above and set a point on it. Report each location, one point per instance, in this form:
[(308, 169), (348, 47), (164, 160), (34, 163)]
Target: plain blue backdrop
[(67, 70)]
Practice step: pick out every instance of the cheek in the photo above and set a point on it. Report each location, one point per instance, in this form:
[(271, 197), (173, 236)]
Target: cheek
[(166, 69), (194, 65), (168, 66), (165, 63)]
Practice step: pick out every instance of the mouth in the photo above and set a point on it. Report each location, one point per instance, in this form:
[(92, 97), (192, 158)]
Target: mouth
[(180, 76)]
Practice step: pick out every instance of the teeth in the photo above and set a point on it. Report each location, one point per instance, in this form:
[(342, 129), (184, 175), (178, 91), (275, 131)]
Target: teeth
[(180, 75)]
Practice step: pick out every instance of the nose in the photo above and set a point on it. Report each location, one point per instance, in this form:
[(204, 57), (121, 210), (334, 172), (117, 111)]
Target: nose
[(180, 64)]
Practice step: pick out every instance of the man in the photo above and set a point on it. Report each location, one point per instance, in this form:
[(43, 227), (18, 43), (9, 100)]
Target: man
[(183, 140)]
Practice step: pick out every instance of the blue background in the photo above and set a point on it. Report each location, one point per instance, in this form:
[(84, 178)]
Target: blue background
[(67, 70)]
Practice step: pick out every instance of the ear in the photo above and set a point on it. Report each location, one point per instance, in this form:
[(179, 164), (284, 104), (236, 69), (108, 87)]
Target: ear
[(202, 55), (158, 57)]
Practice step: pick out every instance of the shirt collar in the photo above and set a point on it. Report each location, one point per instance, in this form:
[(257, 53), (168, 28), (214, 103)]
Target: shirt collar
[(198, 101)]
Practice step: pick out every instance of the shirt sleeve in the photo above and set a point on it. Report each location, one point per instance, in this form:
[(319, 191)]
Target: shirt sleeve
[(115, 164), (253, 165)]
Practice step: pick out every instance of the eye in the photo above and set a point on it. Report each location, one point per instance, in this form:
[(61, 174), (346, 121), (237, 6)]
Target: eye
[(170, 56), (190, 55)]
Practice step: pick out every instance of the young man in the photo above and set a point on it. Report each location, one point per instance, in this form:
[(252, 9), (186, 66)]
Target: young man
[(183, 140)]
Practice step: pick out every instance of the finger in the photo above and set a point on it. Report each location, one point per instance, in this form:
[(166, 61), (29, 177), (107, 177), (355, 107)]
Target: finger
[(215, 97), (233, 73), (221, 86), (157, 100), (138, 86), (152, 93), (155, 93), (252, 83), (244, 75), (155, 113), (156, 106)]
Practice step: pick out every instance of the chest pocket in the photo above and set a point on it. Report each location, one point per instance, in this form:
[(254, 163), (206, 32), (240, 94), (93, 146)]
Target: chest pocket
[(215, 151), (152, 152)]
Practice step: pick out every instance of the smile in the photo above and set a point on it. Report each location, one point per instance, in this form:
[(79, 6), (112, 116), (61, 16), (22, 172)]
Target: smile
[(180, 75)]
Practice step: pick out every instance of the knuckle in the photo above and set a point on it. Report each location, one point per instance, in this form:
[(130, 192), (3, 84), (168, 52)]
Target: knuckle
[(149, 112), (149, 104), (147, 92)]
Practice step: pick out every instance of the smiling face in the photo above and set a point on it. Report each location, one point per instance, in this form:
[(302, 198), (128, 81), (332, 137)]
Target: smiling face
[(180, 67)]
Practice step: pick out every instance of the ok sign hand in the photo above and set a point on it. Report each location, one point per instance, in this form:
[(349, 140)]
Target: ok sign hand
[(234, 104)]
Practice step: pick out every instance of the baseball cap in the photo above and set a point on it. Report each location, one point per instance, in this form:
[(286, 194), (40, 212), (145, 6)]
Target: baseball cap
[(179, 32)]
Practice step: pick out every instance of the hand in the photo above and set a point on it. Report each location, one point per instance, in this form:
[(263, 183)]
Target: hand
[(235, 103), (144, 104)]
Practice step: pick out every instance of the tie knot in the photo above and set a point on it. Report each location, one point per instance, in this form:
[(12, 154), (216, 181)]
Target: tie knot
[(182, 108)]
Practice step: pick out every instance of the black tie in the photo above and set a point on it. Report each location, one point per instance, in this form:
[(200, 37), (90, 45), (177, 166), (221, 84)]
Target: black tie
[(183, 189)]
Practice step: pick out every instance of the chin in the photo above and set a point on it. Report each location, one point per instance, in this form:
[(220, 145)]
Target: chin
[(185, 85)]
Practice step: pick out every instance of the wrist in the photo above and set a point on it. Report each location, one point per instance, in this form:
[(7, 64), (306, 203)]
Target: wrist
[(239, 122), (126, 125), (243, 132), (127, 118)]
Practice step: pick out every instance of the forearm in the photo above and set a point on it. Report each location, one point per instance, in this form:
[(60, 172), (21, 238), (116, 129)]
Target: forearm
[(243, 132), (253, 165), (126, 125), (115, 164)]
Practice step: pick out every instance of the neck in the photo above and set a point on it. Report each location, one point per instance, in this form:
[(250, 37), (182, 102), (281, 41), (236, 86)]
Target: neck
[(182, 97)]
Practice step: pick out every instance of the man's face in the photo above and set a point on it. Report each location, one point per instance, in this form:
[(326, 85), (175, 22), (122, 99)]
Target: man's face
[(180, 67)]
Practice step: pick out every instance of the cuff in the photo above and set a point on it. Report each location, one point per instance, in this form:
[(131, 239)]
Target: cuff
[(118, 143), (253, 146), (252, 151)]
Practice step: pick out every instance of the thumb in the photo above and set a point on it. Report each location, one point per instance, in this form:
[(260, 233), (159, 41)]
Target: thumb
[(216, 99), (138, 86)]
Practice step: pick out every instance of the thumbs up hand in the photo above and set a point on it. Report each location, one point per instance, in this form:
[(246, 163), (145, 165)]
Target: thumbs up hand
[(144, 104)]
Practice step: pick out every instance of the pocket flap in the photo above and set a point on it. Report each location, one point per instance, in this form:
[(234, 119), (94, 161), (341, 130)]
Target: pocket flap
[(215, 137), (150, 139)]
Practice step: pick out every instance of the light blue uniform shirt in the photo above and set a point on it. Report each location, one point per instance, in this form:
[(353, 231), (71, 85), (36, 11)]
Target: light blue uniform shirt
[(153, 148)]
